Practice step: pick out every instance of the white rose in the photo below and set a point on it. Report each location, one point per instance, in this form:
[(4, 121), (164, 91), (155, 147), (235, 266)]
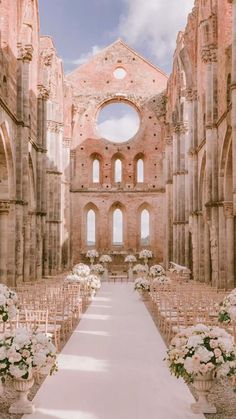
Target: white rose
[(194, 341), (3, 300), (204, 354)]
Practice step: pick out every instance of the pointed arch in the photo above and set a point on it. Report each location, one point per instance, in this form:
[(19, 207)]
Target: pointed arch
[(91, 220), (118, 224), (96, 168), (117, 167), (145, 224), (139, 168)]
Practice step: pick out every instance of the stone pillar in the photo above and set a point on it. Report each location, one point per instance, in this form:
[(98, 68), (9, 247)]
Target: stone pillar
[(169, 203), (229, 216), (207, 258), (25, 53), (233, 89), (41, 177), (4, 211)]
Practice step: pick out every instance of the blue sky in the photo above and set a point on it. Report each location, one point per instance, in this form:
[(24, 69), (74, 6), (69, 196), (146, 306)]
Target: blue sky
[(81, 28)]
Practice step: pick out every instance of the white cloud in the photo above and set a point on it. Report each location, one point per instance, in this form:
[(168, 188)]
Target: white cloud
[(154, 24), (119, 129), (86, 56)]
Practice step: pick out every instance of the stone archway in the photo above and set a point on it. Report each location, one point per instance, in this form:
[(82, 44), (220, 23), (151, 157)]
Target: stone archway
[(6, 212)]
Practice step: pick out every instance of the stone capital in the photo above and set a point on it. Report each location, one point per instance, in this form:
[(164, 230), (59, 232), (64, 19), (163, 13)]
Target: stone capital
[(54, 126), (228, 209), (25, 52), (43, 92), (47, 56), (4, 206)]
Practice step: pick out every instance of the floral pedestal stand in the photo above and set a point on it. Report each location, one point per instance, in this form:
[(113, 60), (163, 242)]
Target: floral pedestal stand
[(22, 405), (146, 266), (203, 385), (105, 273), (91, 260), (130, 272)]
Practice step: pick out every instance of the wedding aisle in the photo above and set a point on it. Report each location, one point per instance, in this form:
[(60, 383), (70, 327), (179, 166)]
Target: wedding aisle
[(112, 367)]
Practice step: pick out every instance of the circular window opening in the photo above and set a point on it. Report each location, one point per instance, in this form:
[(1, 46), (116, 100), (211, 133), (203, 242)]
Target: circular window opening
[(119, 73), (118, 122)]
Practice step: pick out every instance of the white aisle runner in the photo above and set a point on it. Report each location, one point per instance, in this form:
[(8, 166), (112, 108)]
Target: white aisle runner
[(112, 367)]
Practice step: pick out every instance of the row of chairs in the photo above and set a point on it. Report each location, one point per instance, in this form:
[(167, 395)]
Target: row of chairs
[(184, 304), (52, 307)]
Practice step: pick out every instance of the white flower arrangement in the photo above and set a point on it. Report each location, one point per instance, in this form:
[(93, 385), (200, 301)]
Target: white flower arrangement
[(142, 284), (200, 349), (145, 254), (22, 353), (8, 303), (130, 259), (97, 269), (140, 269), (81, 270), (105, 259), (94, 282), (72, 277), (156, 270), (161, 280), (92, 254), (227, 312)]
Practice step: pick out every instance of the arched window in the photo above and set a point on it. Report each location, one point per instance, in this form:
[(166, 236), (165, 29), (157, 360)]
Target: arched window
[(140, 171), (117, 227), (145, 228), (96, 171), (118, 170), (91, 228)]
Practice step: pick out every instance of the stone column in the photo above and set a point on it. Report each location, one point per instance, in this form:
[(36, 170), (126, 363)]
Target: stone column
[(41, 177), (4, 211), (229, 216), (169, 203), (25, 53), (233, 89), (207, 258)]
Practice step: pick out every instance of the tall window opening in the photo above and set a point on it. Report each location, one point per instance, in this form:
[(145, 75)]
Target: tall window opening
[(96, 171), (117, 227), (91, 228), (145, 228), (140, 171), (118, 170)]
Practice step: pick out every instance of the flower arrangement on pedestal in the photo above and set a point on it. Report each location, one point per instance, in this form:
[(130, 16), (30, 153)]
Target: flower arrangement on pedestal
[(81, 270), (142, 284), (145, 254), (198, 354), (97, 269), (130, 259), (227, 312), (105, 259), (94, 282), (22, 354), (156, 270), (8, 303), (92, 255)]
